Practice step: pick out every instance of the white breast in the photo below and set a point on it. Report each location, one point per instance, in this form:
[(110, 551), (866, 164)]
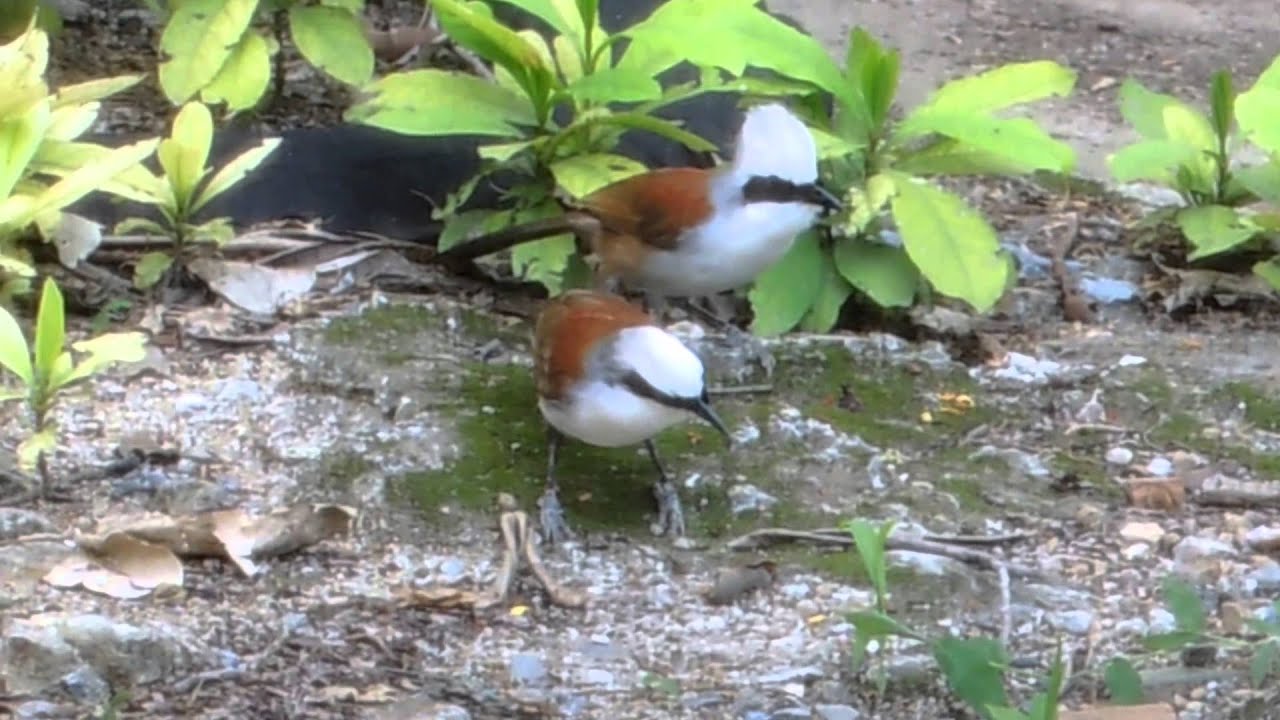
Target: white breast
[(609, 415)]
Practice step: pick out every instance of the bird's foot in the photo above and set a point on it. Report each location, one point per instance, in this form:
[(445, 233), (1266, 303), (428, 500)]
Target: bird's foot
[(670, 512), (555, 529)]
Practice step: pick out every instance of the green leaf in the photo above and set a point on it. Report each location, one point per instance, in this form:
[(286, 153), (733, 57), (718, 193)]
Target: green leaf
[(150, 268), (1258, 113), (70, 122), (20, 137), (952, 245), (1004, 713), (1214, 229), (333, 40), (183, 154), (657, 126), (235, 171), (1020, 140), (1144, 110), (351, 6), (581, 175), (50, 329), (140, 226), (827, 306), (1124, 684), (1221, 103), (1269, 270), (1184, 603), (103, 351), (974, 669), (1262, 180), (1153, 160), (198, 39), (874, 73), (876, 624), (471, 223), (1265, 661), (410, 103), (869, 541), (1000, 88), (492, 40), (244, 77), (15, 356), (93, 90), (544, 261), (1171, 641), (886, 274), (615, 85), (563, 23), (945, 156), (786, 290)]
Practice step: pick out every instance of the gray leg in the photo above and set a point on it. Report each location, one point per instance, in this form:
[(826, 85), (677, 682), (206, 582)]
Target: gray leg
[(670, 514), (554, 527)]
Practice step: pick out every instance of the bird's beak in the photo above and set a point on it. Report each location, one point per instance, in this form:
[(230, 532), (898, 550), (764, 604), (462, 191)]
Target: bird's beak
[(702, 408), (826, 199)]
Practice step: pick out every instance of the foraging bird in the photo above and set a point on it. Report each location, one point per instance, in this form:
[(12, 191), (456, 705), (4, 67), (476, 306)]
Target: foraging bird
[(610, 377), (692, 231)]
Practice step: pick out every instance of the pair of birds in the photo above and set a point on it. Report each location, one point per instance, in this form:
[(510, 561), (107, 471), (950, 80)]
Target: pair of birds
[(606, 373)]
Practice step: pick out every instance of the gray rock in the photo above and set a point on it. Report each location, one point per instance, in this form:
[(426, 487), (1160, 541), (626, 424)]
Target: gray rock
[(452, 570), (1161, 621), (528, 669), (16, 522), (796, 591), (1133, 627), (190, 403), (238, 389), (86, 686), (1267, 577), (699, 700), (40, 709), (420, 707), (1160, 467), (909, 671), (1076, 622), (1119, 456), (1192, 549), (598, 676), (793, 713), (927, 564), (792, 674), (837, 712), (1263, 538), (745, 498)]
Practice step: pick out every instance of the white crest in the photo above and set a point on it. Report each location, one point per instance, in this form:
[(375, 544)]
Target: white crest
[(772, 141)]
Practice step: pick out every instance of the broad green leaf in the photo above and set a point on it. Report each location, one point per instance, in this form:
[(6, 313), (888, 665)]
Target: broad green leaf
[(552, 12), (352, 6), (825, 312), (1019, 139), (183, 154), (945, 156), (1213, 229), (875, 624), (657, 126), (1124, 684), (502, 152), (106, 350), (954, 247), (1185, 125), (333, 40), (1258, 114), (544, 261), (71, 121), (1153, 160), (1222, 97), (60, 158), (886, 274), (581, 175), (197, 40), (1000, 88), (20, 137), (471, 223), (873, 71), (782, 294), (1004, 713), (869, 541), (39, 443), (234, 171), (1262, 180), (244, 77), (150, 268), (74, 185), (833, 146), (616, 85), (492, 40), (139, 226), (410, 103), (15, 266), (50, 328), (93, 90), (1265, 661), (1269, 270), (974, 668), (567, 58), (15, 356), (1184, 603), (1144, 110)]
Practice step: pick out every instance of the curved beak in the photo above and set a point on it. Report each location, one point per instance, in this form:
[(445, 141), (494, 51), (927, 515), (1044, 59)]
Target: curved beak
[(826, 199), (702, 408)]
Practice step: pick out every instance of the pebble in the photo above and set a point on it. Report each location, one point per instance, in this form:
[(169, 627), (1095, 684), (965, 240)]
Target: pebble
[(1161, 621), (796, 591), (1136, 627), (452, 570), (1119, 456), (1147, 532), (837, 712), (527, 669), (745, 498), (1136, 551), (598, 676), (1076, 622), (189, 403), (795, 713), (1160, 467), (1193, 548), (1263, 538), (787, 675), (1267, 577), (16, 522)]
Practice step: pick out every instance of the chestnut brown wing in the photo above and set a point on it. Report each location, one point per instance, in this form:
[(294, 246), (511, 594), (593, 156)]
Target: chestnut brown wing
[(654, 207), (567, 329)]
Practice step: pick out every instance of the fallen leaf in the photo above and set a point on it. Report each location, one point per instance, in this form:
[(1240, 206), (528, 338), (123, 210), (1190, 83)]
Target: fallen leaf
[(254, 288), (437, 598), (955, 403), (121, 566), (1163, 494), (1155, 711)]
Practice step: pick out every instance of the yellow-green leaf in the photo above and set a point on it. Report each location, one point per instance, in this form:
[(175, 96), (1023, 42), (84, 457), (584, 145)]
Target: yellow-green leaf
[(234, 171), (581, 175), (1001, 87), (333, 40), (244, 77), (15, 356), (883, 272), (184, 152), (197, 40), (19, 139), (1213, 229), (93, 90), (411, 103), (19, 210), (783, 294), (830, 300), (150, 268), (60, 158), (105, 350), (616, 85), (544, 261), (1018, 139), (1269, 270), (70, 121), (50, 328), (37, 444), (1258, 114)]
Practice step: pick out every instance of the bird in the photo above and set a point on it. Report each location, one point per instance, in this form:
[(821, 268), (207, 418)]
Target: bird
[(607, 375), (691, 231)]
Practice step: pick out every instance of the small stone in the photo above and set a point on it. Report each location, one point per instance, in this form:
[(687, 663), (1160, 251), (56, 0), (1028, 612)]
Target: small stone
[(452, 570), (1119, 456), (188, 403), (35, 709), (1136, 551), (86, 686), (745, 498), (1160, 467), (1135, 627), (794, 713), (1076, 622), (527, 669), (1161, 621), (793, 674), (238, 389), (1147, 532), (598, 676), (1232, 614), (837, 712), (796, 591), (1192, 549), (1264, 539), (1267, 577), (16, 522)]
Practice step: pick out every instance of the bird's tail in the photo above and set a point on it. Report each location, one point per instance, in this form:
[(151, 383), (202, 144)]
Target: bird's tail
[(774, 142), (509, 237)]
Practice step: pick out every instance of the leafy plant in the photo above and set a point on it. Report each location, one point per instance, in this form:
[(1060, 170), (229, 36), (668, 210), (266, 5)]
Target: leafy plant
[(556, 110), (43, 168), (1191, 153), (884, 167), (46, 369), (180, 191), (221, 50)]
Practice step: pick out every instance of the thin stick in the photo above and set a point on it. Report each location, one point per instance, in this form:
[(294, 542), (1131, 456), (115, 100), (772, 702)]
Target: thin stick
[(739, 389)]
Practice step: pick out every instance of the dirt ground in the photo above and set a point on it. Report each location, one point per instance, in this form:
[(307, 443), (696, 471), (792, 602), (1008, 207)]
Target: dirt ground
[(418, 410)]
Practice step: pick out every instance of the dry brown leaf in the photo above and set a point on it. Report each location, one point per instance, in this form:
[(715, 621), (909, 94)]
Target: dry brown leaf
[(437, 598), (734, 582), (1154, 711), (1163, 494), (121, 566)]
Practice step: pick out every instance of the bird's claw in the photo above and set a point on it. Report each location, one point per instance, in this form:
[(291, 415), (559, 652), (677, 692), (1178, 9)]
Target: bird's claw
[(555, 529), (670, 512)]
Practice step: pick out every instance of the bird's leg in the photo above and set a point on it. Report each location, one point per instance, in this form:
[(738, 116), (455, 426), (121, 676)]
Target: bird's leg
[(670, 514), (554, 527)]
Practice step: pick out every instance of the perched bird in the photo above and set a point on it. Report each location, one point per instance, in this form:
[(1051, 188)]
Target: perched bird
[(690, 232), (608, 376)]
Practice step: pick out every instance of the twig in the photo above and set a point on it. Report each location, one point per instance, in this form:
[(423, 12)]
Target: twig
[(739, 389), (195, 682), (515, 535), (1074, 428)]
